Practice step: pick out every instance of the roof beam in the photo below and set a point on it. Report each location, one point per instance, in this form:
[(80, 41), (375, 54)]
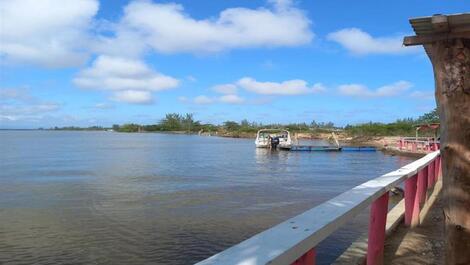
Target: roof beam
[(430, 38), (440, 23)]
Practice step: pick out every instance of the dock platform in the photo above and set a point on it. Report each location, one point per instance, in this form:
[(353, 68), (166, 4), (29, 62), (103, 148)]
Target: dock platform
[(316, 148)]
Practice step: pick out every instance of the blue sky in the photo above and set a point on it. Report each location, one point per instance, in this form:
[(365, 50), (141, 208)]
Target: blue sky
[(102, 62)]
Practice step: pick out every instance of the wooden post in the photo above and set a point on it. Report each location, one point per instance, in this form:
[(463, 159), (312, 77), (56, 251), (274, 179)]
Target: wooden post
[(439, 171), (377, 221), (307, 258), (422, 183), (451, 64), (431, 175), (438, 167), (411, 202)]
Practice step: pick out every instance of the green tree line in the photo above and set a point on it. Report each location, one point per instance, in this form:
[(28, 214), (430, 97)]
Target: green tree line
[(401, 127), (186, 123)]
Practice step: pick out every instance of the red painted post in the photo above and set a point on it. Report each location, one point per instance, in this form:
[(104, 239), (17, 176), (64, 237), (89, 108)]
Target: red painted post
[(431, 174), (411, 202), (422, 182), (377, 222), (438, 167), (307, 258), (413, 147)]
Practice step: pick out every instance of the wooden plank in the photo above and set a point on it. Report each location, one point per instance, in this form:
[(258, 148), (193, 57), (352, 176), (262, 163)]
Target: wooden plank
[(440, 23), (430, 38), (314, 148), (287, 241)]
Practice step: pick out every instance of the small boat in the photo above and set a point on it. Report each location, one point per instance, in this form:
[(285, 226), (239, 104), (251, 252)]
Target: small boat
[(273, 138)]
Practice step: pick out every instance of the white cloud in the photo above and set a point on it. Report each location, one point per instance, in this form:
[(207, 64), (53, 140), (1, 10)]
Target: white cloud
[(113, 73), (131, 80), (206, 100), (167, 28), (203, 100), (133, 96), (52, 33), (425, 95), (19, 104), (183, 99), (103, 106), (225, 89), (47, 33), (359, 90), (359, 42), (231, 99), (191, 78), (354, 90), (393, 89), (15, 94), (290, 87), (318, 87)]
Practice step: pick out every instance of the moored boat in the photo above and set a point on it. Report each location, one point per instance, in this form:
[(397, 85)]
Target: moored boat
[(273, 138)]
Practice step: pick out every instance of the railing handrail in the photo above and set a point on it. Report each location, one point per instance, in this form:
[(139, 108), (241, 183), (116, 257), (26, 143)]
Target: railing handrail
[(422, 139), (287, 241)]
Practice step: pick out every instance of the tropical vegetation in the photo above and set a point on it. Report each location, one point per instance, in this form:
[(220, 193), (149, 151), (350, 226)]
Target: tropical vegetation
[(174, 122)]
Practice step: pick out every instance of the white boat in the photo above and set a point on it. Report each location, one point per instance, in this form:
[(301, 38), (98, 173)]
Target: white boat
[(273, 138)]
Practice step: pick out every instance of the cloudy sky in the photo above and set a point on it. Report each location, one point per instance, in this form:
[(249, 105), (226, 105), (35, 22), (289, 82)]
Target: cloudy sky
[(90, 62)]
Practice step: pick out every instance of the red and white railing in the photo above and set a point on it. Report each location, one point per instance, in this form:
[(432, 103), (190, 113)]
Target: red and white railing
[(294, 241), (418, 144)]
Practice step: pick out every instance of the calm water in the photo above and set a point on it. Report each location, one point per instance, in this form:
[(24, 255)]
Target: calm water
[(111, 198)]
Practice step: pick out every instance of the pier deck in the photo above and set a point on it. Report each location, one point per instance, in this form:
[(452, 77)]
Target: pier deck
[(316, 148)]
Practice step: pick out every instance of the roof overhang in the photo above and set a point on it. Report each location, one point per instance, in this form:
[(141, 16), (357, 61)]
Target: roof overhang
[(438, 28), (430, 126)]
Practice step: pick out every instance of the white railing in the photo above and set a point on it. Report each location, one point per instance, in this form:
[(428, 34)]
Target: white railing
[(293, 241)]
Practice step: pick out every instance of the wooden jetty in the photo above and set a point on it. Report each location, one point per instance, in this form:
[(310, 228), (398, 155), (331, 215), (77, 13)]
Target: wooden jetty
[(316, 148), (328, 148), (311, 148)]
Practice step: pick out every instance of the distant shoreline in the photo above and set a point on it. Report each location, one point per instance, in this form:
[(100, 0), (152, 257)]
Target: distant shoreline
[(380, 142)]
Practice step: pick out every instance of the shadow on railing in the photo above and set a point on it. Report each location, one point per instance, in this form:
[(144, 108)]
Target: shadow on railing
[(294, 241)]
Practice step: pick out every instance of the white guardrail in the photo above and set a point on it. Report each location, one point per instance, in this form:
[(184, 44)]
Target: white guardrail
[(288, 242)]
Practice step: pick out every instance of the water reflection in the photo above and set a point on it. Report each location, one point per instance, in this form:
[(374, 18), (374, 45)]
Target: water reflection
[(109, 198)]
